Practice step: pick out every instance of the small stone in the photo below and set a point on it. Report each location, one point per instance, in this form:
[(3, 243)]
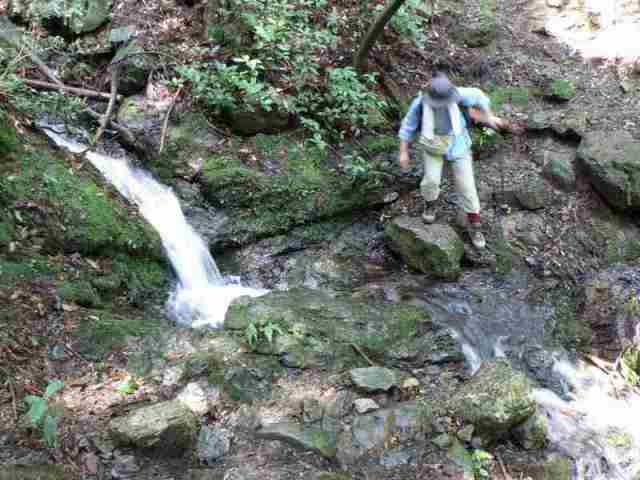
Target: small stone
[(391, 197), (374, 379), (365, 405), (213, 444)]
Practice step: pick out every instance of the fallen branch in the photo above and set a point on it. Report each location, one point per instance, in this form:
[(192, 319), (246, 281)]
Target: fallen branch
[(81, 92), (115, 80), (165, 125)]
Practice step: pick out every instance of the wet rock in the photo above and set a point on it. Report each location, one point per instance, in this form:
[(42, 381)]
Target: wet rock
[(375, 430), (556, 467), (609, 306), (534, 433), (144, 117), (213, 444), (169, 427), (611, 160), (124, 467), (199, 397), (248, 123), (365, 405), (435, 248), (306, 438), (495, 400), (312, 321), (375, 379)]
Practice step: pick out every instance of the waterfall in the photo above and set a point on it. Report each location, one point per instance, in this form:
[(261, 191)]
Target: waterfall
[(201, 296)]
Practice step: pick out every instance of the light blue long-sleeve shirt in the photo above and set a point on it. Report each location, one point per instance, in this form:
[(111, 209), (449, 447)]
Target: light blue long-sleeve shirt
[(461, 145)]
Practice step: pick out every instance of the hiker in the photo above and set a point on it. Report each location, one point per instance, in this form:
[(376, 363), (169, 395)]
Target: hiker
[(442, 127)]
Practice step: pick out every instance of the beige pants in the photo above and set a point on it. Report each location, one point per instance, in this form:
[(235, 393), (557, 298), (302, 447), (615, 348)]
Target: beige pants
[(463, 175)]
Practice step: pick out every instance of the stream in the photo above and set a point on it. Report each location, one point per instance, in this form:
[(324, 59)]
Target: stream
[(589, 420)]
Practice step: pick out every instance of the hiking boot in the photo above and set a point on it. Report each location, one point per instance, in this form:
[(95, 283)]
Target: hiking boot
[(429, 214), (477, 238)]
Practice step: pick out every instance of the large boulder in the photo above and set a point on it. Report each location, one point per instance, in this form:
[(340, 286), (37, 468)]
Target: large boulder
[(316, 327), (610, 307), (611, 160), (436, 249), (169, 427), (496, 400), (73, 17)]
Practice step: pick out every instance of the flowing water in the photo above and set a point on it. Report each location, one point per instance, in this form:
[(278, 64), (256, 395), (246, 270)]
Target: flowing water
[(591, 419), (202, 295)]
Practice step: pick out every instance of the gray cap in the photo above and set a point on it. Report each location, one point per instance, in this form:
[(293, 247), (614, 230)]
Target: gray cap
[(441, 92)]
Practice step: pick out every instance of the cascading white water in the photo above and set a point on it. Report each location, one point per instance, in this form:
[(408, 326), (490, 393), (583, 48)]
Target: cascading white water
[(201, 296), (591, 418)]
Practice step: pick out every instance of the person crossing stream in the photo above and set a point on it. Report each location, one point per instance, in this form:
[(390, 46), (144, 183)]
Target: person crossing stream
[(440, 117)]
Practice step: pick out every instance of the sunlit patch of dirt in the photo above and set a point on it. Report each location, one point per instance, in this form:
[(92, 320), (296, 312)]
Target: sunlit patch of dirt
[(603, 30)]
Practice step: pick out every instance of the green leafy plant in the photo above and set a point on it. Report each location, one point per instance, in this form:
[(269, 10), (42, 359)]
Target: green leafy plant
[(41, 413), (481, 463), (254, 333)]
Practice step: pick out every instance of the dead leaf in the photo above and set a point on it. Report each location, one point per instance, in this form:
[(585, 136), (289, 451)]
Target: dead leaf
[(69, 308), (93, 264)]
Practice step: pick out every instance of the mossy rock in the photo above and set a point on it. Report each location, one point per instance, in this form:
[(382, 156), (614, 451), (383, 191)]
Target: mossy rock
[(315, 323), (479, 27), (496, 400), (611, 160), (259, 205), (166, 427), (76, 214), (435, 249), (560, 90), (100, 332)]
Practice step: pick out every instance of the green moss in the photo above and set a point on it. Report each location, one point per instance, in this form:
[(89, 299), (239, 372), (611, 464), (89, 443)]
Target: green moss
[(102, 332), (79, 292), (80, 215), (143, 279)]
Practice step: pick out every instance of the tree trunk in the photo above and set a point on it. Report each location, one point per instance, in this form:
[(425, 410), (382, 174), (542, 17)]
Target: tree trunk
[(360, 60)]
